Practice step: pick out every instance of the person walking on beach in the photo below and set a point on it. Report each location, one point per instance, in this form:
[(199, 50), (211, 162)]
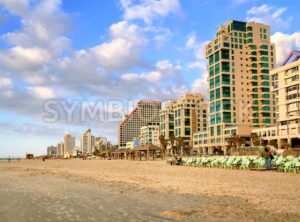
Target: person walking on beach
[(267, 155)]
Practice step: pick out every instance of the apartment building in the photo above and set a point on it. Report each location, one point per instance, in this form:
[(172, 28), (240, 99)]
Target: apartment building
[(240, 58), (150, 135), (184, 117), (286, 89), (60, 149), (87, 142), (51, 151), (69, 143), (144, 114)]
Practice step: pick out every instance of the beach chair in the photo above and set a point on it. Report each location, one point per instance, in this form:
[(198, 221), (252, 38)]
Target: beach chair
[(229, 162), (184, 161), (246, 163), (236, 163), (288, 166)]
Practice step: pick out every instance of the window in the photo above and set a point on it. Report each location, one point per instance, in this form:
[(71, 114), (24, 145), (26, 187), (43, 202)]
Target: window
[(225, 67), (218, 106), (217, 57), (226, 91), (212, 131), (217, 81), (217, 69), (211, 71), (219, 118), (227, 117), (225, 54), (226, 104), (226, 79), (186, 112), (187, 131), (211, 60), (211, 95), (187, 121), (218, 93), (212, 107), (218, 130), (211, 83)]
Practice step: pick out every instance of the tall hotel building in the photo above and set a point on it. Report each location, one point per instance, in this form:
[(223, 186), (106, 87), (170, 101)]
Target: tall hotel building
[(146, 113), (184, 117), (239, 62)]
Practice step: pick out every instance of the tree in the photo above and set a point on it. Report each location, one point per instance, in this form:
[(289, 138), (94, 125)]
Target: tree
[(255, 139), (234, 141), (285, 144), (180, 143), (172, 142), (96, 152), (274, 143), (163, 143)]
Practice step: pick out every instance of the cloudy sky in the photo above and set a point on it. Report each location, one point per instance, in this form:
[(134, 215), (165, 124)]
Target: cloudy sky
[(61, 58)]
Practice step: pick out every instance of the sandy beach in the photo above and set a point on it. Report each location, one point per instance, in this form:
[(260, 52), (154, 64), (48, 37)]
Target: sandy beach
[(102, 190)]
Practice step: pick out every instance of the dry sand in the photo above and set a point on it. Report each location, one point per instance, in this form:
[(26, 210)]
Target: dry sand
[(103, 190)]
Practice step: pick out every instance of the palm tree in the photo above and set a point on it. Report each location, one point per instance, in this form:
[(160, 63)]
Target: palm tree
[(180, 144), (234, 141), (163, 143), (172, 141)]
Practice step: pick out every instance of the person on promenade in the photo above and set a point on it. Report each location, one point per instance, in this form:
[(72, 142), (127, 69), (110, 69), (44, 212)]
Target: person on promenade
[(267, 155)]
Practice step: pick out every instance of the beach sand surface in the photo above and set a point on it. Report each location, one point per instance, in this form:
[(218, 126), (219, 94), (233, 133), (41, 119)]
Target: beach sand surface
[(116, 190)]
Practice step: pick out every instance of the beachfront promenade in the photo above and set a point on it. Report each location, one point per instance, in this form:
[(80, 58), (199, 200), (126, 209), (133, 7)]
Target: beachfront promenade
[(89, 189)]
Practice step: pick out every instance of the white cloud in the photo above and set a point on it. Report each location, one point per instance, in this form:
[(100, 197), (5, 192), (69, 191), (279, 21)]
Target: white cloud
[(42, 59), (163, 71), (16, 7), (285, 43), (5, 83), (200, 85), (149, 10), (197, 46), (270, 15), (124, 50), (160, 35), (41, 92), (20, 58)]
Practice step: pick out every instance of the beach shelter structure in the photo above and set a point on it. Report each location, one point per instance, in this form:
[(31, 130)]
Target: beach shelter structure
[(148, 151)]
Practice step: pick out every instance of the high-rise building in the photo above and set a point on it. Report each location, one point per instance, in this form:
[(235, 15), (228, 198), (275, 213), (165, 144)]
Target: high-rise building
[(60, 149), (87, 142), (69, 142), (150, 135), (239, 62), (51, 151), (184, 117), (146, 113), (286, 89)]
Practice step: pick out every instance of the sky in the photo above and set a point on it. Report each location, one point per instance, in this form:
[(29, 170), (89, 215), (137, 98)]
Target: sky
[(69, 65)]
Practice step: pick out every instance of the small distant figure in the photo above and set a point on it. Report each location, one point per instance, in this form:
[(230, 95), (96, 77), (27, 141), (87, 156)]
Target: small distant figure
[(267, 155), (9, 159), (178, 160), (44, 158)]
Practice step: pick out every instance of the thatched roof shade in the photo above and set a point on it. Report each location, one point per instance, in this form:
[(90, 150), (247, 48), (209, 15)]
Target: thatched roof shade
[(149, 147)]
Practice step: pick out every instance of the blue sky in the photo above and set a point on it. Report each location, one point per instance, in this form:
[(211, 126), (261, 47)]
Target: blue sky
[(109, 52)]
